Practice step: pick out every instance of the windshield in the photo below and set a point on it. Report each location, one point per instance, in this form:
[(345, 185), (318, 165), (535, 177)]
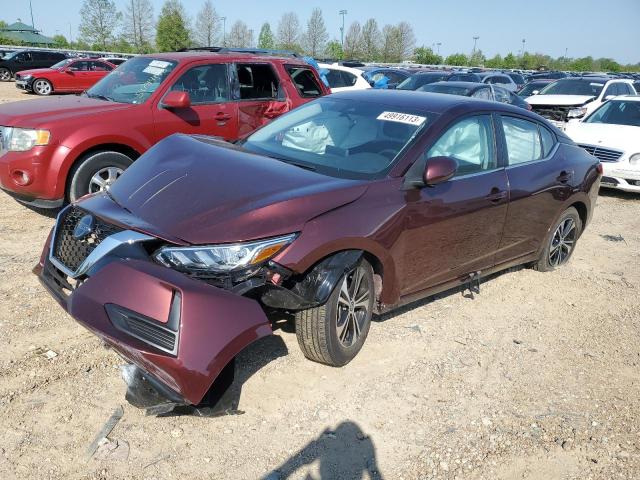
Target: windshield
[(134, 81), (62, 63), (444, 88), (341, 138), (529, 88), (617, 112), (416, 81), (574, 87)]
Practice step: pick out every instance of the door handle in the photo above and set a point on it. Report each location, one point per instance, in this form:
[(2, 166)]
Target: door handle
[(222, 117), (496, 195), (565, 176)]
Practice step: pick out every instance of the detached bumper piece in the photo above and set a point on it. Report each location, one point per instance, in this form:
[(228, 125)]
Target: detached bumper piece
[(180, 334)]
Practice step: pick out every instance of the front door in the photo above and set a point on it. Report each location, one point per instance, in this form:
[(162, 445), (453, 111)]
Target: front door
[(455, 228), (211, 112)]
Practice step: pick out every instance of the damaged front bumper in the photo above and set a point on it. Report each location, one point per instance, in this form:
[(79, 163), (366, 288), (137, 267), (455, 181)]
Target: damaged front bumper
[(180, 333)]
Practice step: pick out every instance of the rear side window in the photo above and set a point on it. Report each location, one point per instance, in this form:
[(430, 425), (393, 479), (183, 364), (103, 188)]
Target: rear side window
[(523, 138), (305, 81), (79, 66), (470, 142), (483, 94), (548, 140), (205, 84), (100, 67), (256, 81), (335, 79), (349, 79)]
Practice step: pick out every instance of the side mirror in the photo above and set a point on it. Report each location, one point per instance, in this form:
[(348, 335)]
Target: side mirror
[(176, 100), (439, 170), (535, 92), (576, 113)]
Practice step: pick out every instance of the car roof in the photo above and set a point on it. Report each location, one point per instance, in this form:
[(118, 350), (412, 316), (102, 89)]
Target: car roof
[(329, 66), (196, 55), (462, 84), (630, 98), (427, 101)]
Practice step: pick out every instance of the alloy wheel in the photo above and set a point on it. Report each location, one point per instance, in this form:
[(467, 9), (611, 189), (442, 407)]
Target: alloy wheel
[(5, 75), (104, 178), (353, 306), (562, 242), (42, 87)]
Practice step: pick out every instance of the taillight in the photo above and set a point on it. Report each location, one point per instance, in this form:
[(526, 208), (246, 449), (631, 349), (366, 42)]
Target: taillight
[(599, 168)]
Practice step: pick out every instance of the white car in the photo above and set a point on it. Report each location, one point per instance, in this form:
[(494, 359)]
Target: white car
[(612, 134), (501, 79), (344, 78), (582, 96)]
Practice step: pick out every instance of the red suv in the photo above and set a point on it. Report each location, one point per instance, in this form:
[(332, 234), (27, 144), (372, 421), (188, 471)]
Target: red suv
[(57, 150)]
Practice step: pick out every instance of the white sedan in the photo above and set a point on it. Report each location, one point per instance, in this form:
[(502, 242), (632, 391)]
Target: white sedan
[(612, 134), (343, 78)]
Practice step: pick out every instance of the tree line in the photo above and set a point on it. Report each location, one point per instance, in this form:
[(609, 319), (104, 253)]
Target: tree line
[(137, 30)]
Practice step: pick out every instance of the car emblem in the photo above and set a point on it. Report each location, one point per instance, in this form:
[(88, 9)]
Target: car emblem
[(84, 227)]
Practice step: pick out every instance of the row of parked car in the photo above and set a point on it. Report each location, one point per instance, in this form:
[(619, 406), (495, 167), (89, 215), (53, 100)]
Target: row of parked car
[(174, 246)]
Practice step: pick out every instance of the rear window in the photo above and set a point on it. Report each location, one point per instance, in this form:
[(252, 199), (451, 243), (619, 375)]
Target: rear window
[(305, 81)]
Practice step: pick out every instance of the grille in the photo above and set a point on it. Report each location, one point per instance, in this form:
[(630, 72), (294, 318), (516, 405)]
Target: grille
[(142, 328), (71, 251), (553, 112), (603, 154)]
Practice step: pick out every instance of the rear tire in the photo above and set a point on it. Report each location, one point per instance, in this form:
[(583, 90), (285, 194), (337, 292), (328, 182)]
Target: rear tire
[(334, 333), (560, 242), (96, 172), (5, 74), (42, 87)]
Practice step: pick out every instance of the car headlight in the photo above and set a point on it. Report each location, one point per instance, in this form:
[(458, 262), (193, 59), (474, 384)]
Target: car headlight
[(222, 258), (26, 77), (635, 159), (577, 112), (22, 139)]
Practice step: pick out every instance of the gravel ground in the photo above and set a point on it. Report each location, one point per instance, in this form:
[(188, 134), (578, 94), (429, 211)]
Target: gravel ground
[(535, 378)]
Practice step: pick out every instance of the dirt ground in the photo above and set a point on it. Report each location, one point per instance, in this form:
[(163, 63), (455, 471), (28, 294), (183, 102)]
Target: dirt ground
[(535, 378)]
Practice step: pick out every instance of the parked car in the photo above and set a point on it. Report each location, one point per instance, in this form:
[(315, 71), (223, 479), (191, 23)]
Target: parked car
[(393, 76), (612, 134), (352, 204), (501, 79), (547, 76), (57, 151), (463, 77), (476, 90), (533, 88), (27, 60), (70, 75), (417, 80), (579, 95), (343, 78), (517, 78)]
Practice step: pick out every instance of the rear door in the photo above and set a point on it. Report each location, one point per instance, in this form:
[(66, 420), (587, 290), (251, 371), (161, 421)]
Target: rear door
[(211, 113), (260, 96), (538, 185), (455, 228)]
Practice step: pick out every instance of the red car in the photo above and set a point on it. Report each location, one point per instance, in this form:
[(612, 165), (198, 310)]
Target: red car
[(348, 206), (72, 75), (54, 150)]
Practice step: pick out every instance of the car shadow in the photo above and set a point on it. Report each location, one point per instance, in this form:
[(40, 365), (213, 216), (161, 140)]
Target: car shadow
[(619, 194), (344, 453)]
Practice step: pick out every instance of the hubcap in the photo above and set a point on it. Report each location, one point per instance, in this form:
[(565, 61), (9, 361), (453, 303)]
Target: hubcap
[(353, 306), (42, 87), (4, 74), (104, 178), (562, 242)]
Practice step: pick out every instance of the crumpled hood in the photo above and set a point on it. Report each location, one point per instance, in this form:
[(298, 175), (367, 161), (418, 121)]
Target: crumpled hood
[(205, 191), (618, 137), (562, 100), (46, 112)]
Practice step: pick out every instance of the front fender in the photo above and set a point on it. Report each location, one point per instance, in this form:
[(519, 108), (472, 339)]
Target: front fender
[(138, 307)]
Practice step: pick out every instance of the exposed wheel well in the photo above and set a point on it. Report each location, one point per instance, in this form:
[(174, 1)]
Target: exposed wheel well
[(378, 272), (582, 211), (105, 147)]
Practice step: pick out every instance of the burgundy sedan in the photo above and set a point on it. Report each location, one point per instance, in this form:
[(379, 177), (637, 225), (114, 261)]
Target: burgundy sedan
[(72, 75), (345, 207)]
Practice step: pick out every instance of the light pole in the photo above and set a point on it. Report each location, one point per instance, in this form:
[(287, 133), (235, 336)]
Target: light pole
[(343, 13), (438, 44), (224, 31), (524, 40), (475, 41)]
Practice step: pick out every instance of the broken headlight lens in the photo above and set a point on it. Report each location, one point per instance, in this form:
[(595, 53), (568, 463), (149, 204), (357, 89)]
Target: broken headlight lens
[(222, 258)]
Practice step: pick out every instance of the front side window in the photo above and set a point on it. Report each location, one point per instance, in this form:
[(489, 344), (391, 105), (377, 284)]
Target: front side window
[(471, 143), (99, 67), (523, 140), (256, 82), (482, 94), (342, 138), (205, 84), (502, 95), (134, 82), (79, 66), (305, 81), (612, 90)]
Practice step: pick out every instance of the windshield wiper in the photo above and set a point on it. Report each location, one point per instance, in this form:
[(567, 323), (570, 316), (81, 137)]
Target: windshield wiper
[(101, 97)]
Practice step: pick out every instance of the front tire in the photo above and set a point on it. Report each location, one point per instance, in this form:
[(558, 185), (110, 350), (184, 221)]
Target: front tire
[(560, 242), (42, 87), (334, 333), (5, 74), (96, 172)]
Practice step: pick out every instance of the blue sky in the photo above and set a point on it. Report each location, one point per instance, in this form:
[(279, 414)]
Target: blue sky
[(601, 28)]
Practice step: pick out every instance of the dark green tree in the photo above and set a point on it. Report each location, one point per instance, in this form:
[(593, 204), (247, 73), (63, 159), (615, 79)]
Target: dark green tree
[(426, 55), (457, 59), (172, 32), (266, 38)]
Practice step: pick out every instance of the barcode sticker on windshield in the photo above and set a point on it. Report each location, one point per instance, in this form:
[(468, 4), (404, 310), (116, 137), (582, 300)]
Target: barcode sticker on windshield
[(159, 64), (402, 118)]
